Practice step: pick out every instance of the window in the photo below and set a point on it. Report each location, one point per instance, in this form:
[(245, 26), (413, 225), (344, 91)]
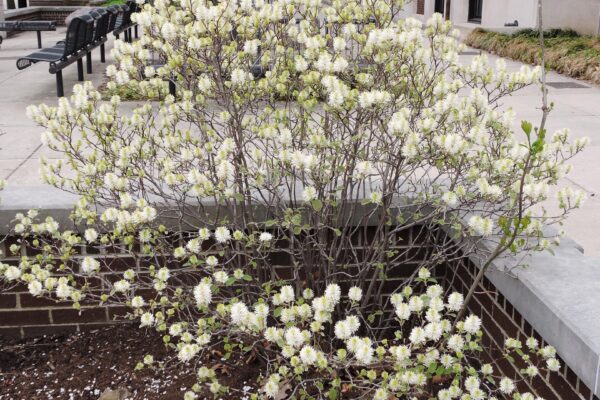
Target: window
[(475, 11), (421, 7), (15, 4), (439, 6)]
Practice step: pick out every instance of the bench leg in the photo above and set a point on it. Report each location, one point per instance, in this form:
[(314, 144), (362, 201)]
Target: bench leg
[(135, 28), (59, 85), (88, 61), (102, 56), (39, 37), (80, 70)]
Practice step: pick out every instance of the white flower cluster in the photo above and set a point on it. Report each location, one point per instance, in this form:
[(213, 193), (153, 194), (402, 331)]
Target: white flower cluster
[(296, 126)]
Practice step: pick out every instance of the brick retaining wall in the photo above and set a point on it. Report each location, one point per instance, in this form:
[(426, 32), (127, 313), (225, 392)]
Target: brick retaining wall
[(44, 12), (22, 315), (42, 15), (501, 320)]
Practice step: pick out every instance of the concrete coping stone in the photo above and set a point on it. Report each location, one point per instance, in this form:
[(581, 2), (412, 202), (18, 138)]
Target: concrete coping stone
[(558, 294)]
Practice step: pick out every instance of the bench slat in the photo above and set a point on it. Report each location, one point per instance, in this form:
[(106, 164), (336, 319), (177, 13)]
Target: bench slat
[(10, 26)]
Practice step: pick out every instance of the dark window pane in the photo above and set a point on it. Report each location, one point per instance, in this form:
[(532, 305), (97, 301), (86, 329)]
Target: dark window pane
[(475, 10)]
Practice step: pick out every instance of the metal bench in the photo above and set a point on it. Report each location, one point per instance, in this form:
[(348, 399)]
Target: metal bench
[(101, 30), (114, 11), (97, 35), (23, 26), (73, 49), (84, 34), (124, 24)]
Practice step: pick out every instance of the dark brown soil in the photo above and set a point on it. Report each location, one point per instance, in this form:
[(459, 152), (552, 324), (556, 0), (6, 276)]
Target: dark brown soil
[(83, 365)]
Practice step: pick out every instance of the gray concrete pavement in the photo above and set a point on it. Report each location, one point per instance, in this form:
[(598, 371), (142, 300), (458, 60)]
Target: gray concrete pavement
[(20, 146), (579, 110)]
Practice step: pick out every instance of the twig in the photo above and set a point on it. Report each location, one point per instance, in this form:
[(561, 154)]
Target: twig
[(501, 248), (545, 108)]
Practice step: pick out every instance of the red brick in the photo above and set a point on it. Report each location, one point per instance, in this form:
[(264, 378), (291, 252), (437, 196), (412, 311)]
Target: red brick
[(19, 287), (117, 264), (117, 313), (12, 333), (72, 316), (29, 301), (41, 330), (8, 300), (92, 282), (24, 317), (93, 326)]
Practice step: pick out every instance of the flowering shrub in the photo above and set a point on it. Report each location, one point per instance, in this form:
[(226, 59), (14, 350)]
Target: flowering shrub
[(320, 135)]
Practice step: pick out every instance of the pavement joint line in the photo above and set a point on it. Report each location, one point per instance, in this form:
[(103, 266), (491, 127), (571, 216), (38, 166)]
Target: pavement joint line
[(12, 76), (24, 161), (579, 186)]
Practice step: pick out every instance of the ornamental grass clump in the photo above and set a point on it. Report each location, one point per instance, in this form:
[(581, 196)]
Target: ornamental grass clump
[(566, 52), (268, 206)]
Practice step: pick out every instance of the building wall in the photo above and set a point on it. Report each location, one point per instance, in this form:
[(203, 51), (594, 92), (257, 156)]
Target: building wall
[(409, 10), (14, 4), (497, 12), (580, 15), (416, 9)]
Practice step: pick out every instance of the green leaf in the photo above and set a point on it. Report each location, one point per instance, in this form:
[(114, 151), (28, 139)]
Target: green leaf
[(317, 204), (526, 126), (297, 219), (432, 368)]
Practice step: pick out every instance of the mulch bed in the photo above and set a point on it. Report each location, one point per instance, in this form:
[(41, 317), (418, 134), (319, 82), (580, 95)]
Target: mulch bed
[(83, 365)]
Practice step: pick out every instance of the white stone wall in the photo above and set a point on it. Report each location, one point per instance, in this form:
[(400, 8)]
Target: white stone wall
[(498, 12), (410, 10), (581, 15)]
